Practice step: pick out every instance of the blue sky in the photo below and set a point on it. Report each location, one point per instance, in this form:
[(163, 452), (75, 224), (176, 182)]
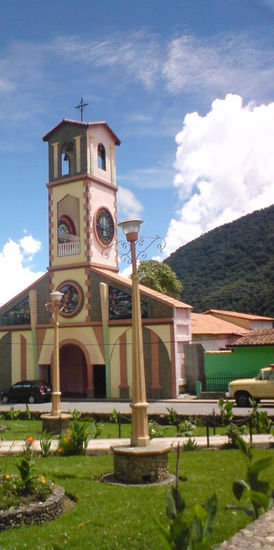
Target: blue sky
[(187, 85)]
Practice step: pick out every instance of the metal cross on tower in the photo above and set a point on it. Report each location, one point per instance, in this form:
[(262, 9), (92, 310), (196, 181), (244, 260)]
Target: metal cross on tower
[(81, 107)]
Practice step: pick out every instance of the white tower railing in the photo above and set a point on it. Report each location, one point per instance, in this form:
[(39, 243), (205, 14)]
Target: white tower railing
[(69, 249)]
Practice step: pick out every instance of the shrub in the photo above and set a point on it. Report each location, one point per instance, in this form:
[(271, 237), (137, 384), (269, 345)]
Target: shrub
[(190, 445), (42, 488), (114, 417), (233, 432), (12, 414), (258, 491), (26, 414), (75, 440), (173, 417), (9, 493), (154, 429), (75, 415), (185, 428), (260, 420), (24, 466), (45, 444), (188, 534), (27, 483), (28, 449), (226, 413)]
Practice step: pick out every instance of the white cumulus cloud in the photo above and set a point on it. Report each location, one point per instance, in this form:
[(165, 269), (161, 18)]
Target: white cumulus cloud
[(30, 245), (225, 167), (128, 205), (16, 271)]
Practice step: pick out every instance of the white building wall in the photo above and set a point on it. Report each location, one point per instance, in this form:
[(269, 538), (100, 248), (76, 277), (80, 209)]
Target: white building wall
[(261, 324), (182, 335)]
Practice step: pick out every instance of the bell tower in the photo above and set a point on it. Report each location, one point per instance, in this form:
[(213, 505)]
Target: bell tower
[(82, 202)]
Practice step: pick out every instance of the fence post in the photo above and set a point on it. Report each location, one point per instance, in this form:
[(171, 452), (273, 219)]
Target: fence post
[(207, 433), (119, 426), (214, 425), (250, 430)]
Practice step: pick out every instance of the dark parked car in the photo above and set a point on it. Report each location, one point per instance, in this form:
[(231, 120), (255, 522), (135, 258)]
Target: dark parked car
[(27, 391)]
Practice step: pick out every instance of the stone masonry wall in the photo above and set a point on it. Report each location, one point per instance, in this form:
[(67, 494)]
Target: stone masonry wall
[(36, 512)]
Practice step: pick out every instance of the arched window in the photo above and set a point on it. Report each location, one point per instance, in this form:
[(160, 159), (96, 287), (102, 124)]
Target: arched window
[(101, 157)]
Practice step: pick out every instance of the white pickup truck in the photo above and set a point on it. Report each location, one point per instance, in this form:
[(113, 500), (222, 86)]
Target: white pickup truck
[(261, 387)]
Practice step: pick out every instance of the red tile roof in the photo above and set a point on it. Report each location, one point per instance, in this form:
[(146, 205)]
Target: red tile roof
[(258, 337), (208, 324), (239, 315)]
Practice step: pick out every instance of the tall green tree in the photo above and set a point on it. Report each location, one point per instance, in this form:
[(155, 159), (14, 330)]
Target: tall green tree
[(160, 277)]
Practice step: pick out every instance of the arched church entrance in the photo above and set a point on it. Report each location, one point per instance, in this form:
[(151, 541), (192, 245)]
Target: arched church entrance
[(73, 371)]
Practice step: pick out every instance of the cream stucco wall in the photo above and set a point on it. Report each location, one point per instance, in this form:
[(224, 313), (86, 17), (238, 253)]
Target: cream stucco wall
[(82, 335), (163, 331), (114, 335), (75, 189), (16, 355), (96, 135)]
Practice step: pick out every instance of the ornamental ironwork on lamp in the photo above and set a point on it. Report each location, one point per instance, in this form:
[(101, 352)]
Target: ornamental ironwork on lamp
[(142, 244)]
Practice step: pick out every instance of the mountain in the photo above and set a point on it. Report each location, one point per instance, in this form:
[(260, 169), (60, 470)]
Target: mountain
[(231, 267)]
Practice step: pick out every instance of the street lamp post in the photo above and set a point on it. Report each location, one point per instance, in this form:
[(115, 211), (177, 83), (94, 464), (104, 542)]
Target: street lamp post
[(139, 405), (143, 461), (56, 298), (56, 421)]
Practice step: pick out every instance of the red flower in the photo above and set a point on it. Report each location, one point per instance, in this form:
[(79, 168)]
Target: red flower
[(30, 440)]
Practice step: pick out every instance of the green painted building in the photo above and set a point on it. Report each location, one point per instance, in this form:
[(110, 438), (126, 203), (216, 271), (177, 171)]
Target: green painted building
[(243, 360)]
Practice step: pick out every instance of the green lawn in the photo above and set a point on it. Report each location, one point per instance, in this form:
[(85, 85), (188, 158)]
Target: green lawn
[(108, 517), (21, 429)]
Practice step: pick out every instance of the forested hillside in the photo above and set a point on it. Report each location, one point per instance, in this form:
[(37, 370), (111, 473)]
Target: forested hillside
[(231, 267)]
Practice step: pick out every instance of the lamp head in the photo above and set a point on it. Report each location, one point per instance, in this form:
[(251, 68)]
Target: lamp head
[(131, 229), (56, 296)]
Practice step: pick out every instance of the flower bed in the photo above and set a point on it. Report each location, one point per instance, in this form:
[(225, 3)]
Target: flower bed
[(28, 497), (35, 512)]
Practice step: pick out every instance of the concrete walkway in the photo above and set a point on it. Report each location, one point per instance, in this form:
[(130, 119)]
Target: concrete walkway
[(103, 446)]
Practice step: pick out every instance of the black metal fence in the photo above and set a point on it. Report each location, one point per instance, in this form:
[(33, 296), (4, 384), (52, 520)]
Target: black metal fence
[(213, 422), (219, 381)]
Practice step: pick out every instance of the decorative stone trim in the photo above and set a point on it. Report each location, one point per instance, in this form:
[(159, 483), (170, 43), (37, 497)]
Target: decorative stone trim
[(36, 512)]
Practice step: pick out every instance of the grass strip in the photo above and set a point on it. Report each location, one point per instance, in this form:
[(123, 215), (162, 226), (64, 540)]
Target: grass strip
[(21, 429), (108, 517)]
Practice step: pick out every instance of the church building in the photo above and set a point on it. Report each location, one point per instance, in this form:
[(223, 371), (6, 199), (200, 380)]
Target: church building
[(95, 317)]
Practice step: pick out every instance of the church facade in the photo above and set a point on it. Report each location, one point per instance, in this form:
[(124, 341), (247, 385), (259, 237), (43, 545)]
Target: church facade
[(95, 317)]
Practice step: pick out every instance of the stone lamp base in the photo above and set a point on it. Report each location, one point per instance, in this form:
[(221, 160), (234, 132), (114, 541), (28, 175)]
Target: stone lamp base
[(141, 465), (55, 424)]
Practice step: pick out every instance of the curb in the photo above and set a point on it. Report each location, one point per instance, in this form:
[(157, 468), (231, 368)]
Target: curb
[(97, 447)]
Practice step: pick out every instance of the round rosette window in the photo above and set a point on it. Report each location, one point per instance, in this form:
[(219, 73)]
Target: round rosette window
[(72, 301), (104, 226)]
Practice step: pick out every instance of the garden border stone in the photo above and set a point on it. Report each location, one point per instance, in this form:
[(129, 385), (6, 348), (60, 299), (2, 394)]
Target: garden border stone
[(35, 512)]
